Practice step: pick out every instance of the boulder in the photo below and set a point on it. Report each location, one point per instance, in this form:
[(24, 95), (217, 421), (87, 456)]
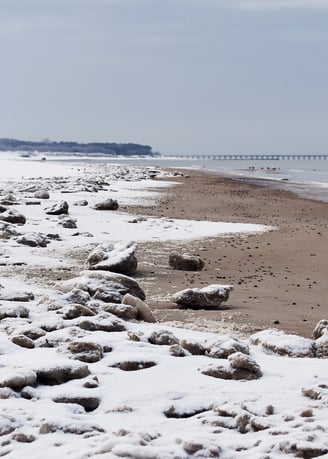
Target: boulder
[(123, 311), (42, 194), (88, 403), (118, 258), (226, 346), (86, 351), (33, 240), (59, 208), (12, 216), (322, 345), (185, 262), (23, 341), (143, 310), (278, 342), (67, 222), (59, 374), (207, 297), (108, 204), (92, 281), (240, 366), (163, 337), (18, 379), (320, 329)]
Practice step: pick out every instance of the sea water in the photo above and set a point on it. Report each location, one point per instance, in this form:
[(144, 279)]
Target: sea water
[(308, 178)]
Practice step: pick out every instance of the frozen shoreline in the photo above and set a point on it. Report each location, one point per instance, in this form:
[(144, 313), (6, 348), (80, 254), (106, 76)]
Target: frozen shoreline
[(166, 407)]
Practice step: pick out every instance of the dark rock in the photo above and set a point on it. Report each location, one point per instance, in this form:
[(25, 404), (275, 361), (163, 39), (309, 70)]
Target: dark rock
[(86, 351), (163, 337), (58, 208), (193, 347), (33, 240), (88, 403), (23, 341), (185, 262), (12, 216), (60, 374), (67, 222), (129, 365), (81, 203), (108, 204)]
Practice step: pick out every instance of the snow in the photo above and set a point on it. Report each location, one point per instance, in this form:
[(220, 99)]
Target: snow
[(266, 417)]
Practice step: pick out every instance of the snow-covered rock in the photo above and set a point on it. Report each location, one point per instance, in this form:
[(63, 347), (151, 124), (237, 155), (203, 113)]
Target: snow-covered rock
[(211, 296), (118, 258)]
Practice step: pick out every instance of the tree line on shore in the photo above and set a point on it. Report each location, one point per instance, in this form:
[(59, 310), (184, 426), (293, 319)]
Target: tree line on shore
[(93, 148)]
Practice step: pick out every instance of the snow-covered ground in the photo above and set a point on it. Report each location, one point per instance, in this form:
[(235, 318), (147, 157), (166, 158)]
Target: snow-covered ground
[(82, 378)]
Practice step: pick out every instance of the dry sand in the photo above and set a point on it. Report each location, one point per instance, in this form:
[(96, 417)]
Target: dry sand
[(279, 277)]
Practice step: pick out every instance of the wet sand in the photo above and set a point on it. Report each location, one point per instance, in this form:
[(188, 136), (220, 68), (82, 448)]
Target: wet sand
[(279, 277)]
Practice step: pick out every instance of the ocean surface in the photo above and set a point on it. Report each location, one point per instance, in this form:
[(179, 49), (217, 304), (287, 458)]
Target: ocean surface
[(308, 178)]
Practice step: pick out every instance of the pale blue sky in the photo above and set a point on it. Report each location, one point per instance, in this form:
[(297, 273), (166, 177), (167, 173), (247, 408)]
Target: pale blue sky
[(185, 76)]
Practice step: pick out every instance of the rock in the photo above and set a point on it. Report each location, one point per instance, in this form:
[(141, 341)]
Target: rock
[(206, 297), (93, 281), (305, 449), (193, 347), (21, 437), (76, 310), (77, 295), (16, 311), (322, 345), (320, 328), (23, 341), (9, 199), (240, 367), (58, 208), (130, 365), (81, 203), (245, 363), (2, 209), (67, 222), (118, 258), (59, 374), (143, 311), (18, 379), (33, 240), (12, 216), (163, 337), (42, 194), (178, 351), (224, 347), (108, 204), (86, 351), (123, 311), (108, 295), (102, 324), (278, 342), (17, 296), (88, 403), (185, 262)]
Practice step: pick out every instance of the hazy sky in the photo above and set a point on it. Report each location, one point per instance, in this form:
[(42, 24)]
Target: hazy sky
[(185, 76)]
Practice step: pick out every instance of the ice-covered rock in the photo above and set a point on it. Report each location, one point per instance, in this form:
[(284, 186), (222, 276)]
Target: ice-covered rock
[(185, 262), (320, 328), (67, 222), (278, 342), (58, 208), (118, 258), (211, 296), (33, 239), (94, 281)]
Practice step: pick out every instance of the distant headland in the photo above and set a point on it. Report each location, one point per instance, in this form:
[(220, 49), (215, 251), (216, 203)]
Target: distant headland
[(76, 148)]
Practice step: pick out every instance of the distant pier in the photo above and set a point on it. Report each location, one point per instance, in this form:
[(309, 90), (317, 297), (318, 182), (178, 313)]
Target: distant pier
[(253, 157)]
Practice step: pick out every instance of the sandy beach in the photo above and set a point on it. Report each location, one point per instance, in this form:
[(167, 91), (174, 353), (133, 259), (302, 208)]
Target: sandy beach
[(279, 276), (94, 362)]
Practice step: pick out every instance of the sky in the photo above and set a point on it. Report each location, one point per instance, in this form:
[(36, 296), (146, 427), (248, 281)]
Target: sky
[(185, 76)]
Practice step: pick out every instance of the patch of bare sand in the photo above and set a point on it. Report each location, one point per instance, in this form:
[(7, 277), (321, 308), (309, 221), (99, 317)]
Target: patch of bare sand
[(279, 276)]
